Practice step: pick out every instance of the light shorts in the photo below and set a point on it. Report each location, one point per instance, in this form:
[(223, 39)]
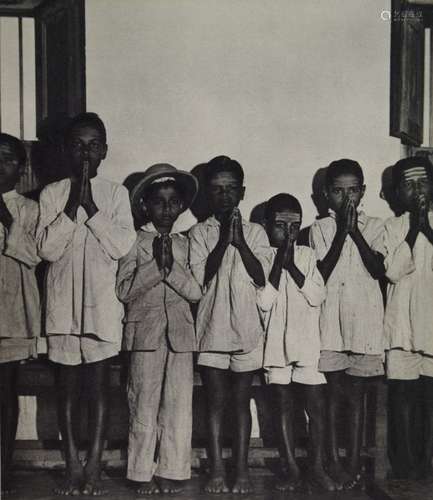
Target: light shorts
[(17, 349), (236, 362), (79, 349), (408, 365), (308, 375), (357, 365)]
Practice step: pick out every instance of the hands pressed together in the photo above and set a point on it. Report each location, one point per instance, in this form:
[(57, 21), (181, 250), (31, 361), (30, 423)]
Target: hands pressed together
[(231, 230), (163, 253), (347, 217), (81, 195)]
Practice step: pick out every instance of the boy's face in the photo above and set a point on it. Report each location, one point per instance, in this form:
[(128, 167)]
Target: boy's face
[(85, 146), (163, 207), (279, 225), (342, 187), (224, 192), (415, 187), (10, 168)]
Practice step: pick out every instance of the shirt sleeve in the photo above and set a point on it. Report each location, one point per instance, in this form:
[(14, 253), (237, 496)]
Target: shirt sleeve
[(116, 235), (317, 241), (20, 241), (198, 254), (55, 229), (314, 289), (377, 237), (261, 249), (398, 256), (183, 282), (132, 280)]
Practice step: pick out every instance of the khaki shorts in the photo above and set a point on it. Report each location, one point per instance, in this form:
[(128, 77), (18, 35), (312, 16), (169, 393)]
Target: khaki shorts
[(408, 365), (308, 375), (79, 349), (240, 362), (16, 349), (357, 365)]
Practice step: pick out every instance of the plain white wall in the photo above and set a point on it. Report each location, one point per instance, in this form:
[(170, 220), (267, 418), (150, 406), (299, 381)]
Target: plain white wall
[(283, 86)]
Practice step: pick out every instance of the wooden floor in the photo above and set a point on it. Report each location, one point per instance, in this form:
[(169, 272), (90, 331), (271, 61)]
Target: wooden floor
[(39, 485)]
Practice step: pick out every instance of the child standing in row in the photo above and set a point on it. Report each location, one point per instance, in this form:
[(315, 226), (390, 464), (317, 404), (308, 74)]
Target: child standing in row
[(291, 301), (351, 320), (230, 259), (19, 296), (156, 285), (85, 226), (408, 248)]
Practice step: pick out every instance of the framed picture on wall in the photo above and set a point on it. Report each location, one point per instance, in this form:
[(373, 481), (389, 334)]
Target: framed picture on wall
[(407, 73)]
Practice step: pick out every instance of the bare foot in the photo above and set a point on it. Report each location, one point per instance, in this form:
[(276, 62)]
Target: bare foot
[(319, 479), (356, 482), (216, 484), (338, 474), (169, 485), (148, 488), (242, 485), (71, 486), (287, 483)]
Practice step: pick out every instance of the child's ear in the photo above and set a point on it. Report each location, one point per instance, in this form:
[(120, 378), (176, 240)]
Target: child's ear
[(242, 192), (363, 187), (104, 151), (21, 170)]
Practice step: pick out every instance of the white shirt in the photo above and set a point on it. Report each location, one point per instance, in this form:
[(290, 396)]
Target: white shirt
[(292, 314), (409, 310), (228, 318), (352, 313), (83, 255), (19, 295)]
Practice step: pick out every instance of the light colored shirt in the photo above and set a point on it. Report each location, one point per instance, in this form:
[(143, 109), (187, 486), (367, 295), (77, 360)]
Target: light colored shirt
[(19, 295), (228, 318), (156, 308), (351, 318), (83, 256), (409, 310), (292, 314)]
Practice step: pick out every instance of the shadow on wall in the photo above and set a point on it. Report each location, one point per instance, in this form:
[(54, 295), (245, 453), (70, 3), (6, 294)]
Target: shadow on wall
[(200, 208)]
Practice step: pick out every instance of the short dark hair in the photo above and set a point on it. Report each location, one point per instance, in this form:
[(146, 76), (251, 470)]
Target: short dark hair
[(341, 167), (152, 188), (16, 145), (406, 163), (280, 202), (87, 119), (224, 164)]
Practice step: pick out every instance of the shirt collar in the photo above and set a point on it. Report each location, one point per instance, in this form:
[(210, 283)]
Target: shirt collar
[(150, 228), (213, 221), (362, 217), (9, 195)]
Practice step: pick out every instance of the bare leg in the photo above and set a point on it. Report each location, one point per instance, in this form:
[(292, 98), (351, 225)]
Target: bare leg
[(97, 385), (242, 396), (427, 393), (68, 388), (283, 398), (334, 400), (402, 402), (356, 393), (9, 421), (216, 386), (315, 406)]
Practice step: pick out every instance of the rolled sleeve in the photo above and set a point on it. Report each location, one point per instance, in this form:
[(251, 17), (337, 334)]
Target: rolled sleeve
[(261, 249), (54, 233), (314, 289), (399, 263), (116, 235), (198, 254), (21, 245)]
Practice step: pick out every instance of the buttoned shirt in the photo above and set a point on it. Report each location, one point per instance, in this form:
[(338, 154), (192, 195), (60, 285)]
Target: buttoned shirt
[(156, 308), (83, 256), (409, 310), (292, 314), (19, 296), (228, 318), (351, 317)]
